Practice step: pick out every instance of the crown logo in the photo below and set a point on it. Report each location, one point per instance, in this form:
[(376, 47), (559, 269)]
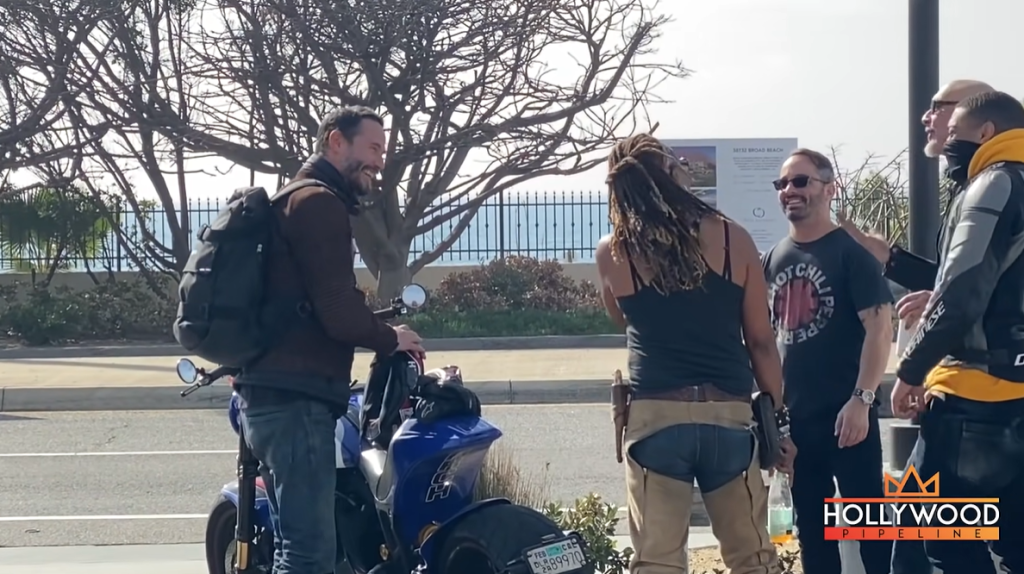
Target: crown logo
[(896, 488)]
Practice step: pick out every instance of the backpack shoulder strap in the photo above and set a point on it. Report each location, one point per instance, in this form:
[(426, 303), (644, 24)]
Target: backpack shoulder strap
[(296, 186), (300, 308)]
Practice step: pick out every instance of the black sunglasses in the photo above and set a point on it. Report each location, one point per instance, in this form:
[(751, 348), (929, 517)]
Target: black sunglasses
[(798, 181), (939, 104)]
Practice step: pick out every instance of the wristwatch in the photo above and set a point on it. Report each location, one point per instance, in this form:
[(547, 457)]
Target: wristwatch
[(867, 397)]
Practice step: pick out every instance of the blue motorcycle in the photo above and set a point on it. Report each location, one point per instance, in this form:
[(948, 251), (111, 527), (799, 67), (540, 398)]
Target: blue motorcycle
[(407, 467)]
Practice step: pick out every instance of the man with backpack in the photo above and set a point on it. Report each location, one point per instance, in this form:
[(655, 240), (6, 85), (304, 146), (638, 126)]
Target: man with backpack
[(271, 289)]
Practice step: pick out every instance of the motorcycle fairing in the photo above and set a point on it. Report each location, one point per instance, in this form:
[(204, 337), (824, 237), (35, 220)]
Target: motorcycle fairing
[(434, 471)]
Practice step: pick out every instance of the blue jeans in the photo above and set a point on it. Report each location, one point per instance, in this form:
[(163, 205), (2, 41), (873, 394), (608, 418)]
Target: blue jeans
[(711, 454), (294, 440), (669, 445)]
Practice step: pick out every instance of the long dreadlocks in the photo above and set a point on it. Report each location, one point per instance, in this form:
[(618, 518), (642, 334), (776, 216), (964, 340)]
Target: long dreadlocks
[(655, 220)]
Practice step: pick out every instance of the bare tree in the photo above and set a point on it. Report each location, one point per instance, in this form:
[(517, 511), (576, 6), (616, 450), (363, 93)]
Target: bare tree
[(39, 52), (874, 195), (64, 52), (65, 109), (451, 76), (144, 71), (162, 81)]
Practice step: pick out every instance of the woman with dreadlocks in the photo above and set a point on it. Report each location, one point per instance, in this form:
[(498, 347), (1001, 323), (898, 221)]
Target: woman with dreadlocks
[(686, 284)]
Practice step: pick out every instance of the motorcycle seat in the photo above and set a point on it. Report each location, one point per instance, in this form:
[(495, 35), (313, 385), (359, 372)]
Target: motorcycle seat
[(377, 466)]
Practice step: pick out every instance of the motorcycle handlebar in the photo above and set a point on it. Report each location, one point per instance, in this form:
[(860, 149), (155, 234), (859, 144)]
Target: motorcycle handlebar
[(206, 379), (221, 372), (396, 309), (386, 314)]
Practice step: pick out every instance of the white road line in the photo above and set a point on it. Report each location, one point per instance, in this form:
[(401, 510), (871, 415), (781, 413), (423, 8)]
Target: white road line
[(102, 517), (114, 453)]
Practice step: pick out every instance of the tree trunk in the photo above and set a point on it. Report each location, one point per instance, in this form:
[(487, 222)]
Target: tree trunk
[(385, 252), (391, 279)]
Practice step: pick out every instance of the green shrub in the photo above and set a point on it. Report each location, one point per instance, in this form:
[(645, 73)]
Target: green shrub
[(514, 283), (114, 310), (512, 297), (595, 521)]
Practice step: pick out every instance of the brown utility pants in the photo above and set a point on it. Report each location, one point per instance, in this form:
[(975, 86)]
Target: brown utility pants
[(660, 507)]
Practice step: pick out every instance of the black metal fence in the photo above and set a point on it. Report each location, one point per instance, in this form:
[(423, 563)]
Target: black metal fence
[(546, 225)]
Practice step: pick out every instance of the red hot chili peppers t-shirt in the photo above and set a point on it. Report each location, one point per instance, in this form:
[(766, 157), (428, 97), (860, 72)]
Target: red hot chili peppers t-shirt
[(815, 292)]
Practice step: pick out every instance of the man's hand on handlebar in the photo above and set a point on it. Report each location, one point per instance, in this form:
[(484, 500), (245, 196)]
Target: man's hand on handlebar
[(408, 340), (221, 372)]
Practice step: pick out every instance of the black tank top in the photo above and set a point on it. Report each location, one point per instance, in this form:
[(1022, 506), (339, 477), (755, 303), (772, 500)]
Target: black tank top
[(690, 337)]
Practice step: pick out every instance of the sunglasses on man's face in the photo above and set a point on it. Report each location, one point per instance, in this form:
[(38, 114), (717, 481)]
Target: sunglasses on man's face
[(798, 181)]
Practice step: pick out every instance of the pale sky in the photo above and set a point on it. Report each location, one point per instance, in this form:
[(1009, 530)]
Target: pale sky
[(830, 73)]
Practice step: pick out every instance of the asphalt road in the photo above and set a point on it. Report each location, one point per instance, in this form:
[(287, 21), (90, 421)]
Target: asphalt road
[(101, 478)]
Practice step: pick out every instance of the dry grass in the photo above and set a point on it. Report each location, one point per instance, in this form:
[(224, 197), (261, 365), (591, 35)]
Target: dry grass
[(709, 561), (502, 478)]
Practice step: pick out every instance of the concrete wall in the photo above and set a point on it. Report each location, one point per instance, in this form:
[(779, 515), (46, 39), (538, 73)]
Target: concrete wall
[(429, 277)]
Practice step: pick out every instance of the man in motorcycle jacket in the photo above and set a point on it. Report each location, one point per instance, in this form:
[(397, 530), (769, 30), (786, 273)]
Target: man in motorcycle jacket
[(293, 396), (964, 368), (917, 274)]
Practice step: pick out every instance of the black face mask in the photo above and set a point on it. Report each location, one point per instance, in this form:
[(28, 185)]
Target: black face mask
[(959, 154)]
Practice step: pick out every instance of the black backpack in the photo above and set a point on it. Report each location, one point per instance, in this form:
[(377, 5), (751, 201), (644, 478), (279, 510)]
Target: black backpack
[(223, 315)]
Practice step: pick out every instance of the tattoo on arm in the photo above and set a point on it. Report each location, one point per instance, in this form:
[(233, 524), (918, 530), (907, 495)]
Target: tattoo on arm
[(874, 355)]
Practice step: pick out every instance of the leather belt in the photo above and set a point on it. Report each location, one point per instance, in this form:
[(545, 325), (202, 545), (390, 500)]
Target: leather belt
[(706, 393)]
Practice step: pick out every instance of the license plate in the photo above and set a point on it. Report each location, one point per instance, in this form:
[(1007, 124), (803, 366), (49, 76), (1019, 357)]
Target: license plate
[(564, 555)]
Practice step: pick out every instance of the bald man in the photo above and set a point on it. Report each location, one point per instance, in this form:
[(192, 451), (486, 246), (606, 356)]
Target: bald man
[(912, 272), (936, 118), (918, 275)]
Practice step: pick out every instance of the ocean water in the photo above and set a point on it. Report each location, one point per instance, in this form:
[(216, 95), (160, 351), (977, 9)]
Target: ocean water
[(564, 226)]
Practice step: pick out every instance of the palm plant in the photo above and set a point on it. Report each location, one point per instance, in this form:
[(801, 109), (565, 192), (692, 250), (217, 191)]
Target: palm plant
[(46, 230)]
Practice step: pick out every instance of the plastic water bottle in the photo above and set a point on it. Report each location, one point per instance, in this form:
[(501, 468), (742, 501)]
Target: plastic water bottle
[(780, 510), (903, 336)]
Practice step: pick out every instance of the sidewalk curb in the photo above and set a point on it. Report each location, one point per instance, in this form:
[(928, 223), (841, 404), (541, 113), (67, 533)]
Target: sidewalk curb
[(166, 397), (461, 344)]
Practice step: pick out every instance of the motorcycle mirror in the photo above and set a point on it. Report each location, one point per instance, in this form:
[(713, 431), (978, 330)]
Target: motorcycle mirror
[(187, 371), (414, 296)]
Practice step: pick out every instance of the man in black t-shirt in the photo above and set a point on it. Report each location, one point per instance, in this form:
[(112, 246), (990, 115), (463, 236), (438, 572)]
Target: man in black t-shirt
[(832, 312)]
